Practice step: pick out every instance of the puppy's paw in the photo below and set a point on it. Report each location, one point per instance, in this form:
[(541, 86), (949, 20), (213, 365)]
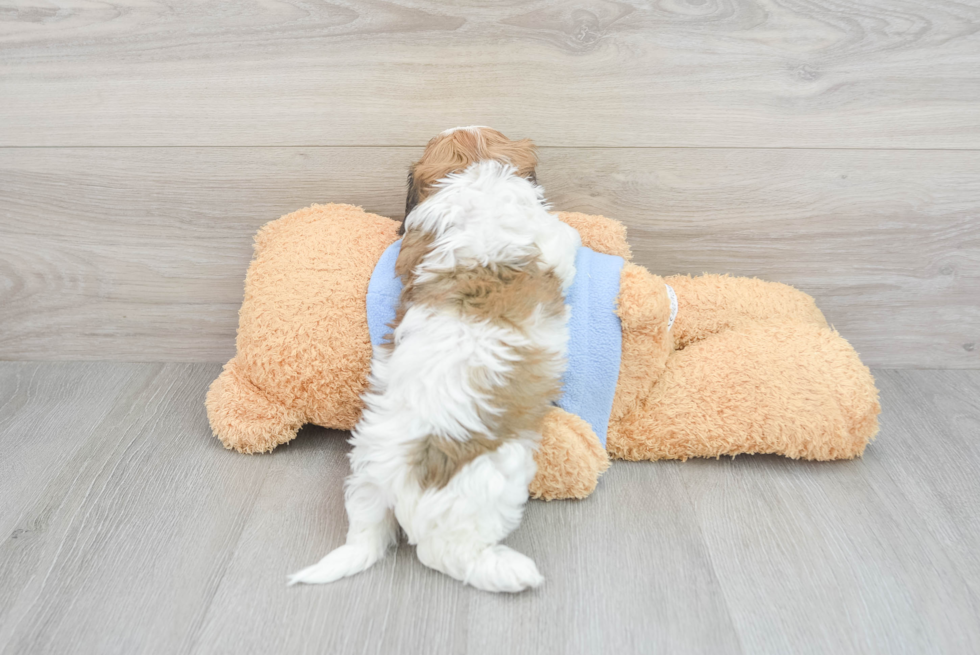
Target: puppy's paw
[(342, 562), (500, 568)]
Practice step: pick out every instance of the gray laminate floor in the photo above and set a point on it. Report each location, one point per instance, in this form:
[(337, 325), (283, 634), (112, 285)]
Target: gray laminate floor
[(128, 529)]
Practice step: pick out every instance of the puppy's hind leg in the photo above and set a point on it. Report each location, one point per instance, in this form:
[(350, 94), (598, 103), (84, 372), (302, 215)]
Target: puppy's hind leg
[(373, 529), (458, 528), (490, 568)]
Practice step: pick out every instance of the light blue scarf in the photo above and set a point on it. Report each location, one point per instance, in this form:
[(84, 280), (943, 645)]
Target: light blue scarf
[(595, 335)]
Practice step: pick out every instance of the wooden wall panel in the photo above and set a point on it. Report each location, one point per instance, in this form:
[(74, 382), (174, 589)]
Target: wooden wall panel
[(736, 73), (140, 253)]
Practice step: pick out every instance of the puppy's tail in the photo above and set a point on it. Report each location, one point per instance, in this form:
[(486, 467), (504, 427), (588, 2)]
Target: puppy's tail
[(360, 552)]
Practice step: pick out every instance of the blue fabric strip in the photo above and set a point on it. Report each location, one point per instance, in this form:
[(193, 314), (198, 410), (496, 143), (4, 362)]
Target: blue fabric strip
[(384, 290), (595, 334)]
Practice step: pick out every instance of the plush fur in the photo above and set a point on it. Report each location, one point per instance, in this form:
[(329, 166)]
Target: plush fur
[(445, 445), (749, 366)]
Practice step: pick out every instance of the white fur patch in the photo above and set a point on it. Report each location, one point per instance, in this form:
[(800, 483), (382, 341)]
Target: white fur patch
[(488, 215)]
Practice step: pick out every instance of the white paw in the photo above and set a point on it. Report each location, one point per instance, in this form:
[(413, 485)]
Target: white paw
[(344, 561), (500, 568)]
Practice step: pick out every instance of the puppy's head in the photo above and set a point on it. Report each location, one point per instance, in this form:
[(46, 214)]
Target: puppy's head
[(454, 150)]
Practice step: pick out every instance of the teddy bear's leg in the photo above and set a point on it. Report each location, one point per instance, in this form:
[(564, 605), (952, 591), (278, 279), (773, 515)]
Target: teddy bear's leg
[(709, 304), (570, 458), (792, 389), (246, 419)]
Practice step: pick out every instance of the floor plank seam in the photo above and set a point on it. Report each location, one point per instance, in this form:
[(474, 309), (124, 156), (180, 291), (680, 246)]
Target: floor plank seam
[(714, 569), (206, 610)]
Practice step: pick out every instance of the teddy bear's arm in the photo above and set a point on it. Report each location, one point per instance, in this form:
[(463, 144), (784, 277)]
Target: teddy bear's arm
[(599, 233), (644, 308), (570, 459)]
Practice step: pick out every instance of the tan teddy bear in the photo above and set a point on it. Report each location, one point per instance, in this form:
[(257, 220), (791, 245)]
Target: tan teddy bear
[(747, 367)]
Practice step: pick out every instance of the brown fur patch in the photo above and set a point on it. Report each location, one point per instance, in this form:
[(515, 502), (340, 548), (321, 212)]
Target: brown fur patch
[(415, 246), (436, 460), (506, 296), (454, 152), (524, 398)]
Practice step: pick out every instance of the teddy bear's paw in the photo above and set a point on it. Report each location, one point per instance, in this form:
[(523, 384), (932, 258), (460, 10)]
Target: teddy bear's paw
[(570, 458), (243, 418)]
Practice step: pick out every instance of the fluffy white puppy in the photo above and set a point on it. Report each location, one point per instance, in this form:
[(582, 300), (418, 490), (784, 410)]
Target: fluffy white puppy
[(445, 446)]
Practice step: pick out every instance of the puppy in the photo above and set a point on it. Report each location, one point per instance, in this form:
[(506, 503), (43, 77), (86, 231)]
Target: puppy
[(445, 446)]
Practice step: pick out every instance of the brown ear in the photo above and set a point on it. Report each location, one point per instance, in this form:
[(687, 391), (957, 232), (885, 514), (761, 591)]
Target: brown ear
[(411, 199), (453, 152)]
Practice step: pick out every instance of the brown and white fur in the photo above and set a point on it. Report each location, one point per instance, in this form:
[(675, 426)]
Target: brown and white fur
[(445, 446)]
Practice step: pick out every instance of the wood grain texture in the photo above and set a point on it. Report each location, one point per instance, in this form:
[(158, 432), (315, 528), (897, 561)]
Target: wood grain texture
[(402, 606), (133, 531), (746, 73), (888, 541), (137, 519), (140, 253)]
